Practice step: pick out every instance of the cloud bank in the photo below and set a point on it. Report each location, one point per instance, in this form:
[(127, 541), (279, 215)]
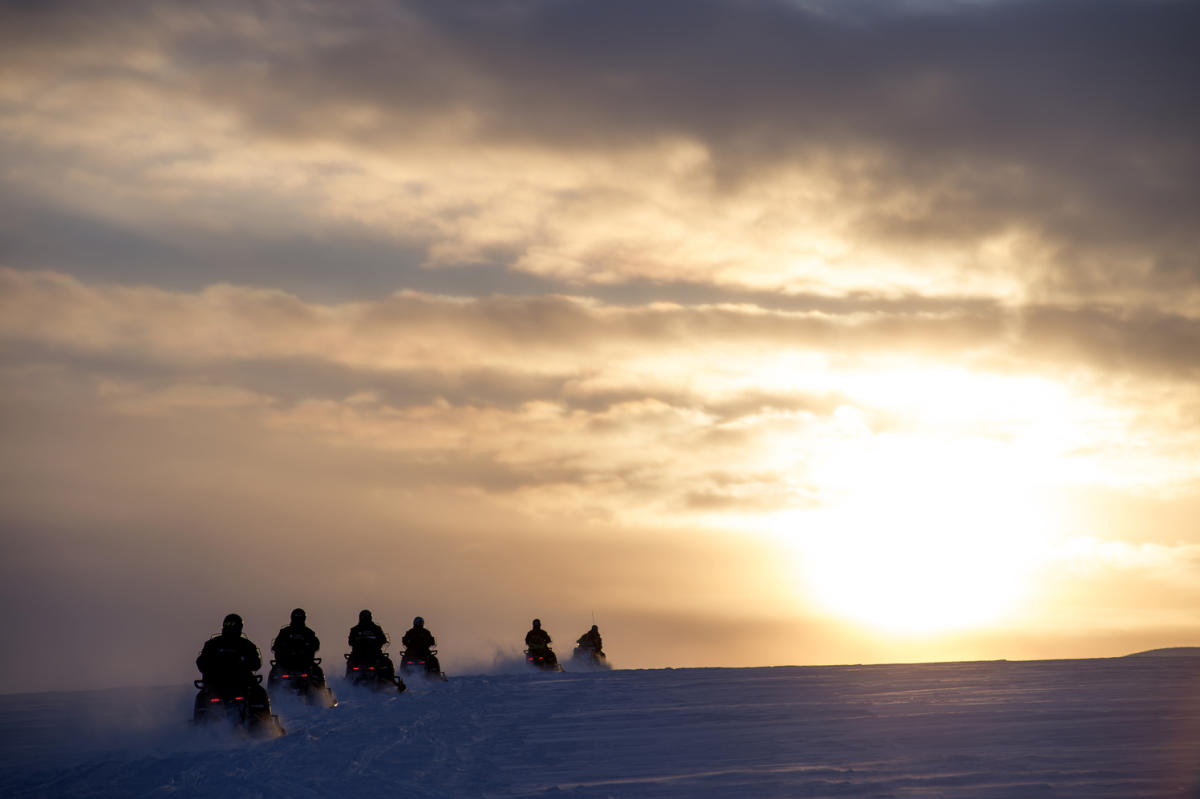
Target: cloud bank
[(655, 310), (1010, 150)]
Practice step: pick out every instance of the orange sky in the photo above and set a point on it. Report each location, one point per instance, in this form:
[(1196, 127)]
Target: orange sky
[(766, 333)]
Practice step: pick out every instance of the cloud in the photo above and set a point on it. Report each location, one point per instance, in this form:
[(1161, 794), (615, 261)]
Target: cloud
[(1011, 150), (557, 401), (555, 340)]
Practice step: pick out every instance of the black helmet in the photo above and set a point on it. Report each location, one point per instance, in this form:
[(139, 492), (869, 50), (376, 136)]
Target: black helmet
[(298, 616), (364, 616), (595, 629), (418, 622), (232, 624), (537, 623)]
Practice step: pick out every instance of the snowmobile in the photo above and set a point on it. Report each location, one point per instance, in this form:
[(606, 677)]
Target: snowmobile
[(235, 707), (307, 682), (424, 662), (374, 671), (543, 659), (589, 658)]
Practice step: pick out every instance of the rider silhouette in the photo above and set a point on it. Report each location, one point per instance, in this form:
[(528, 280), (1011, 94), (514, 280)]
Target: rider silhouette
[(227, 663), (418, 641), (537, 638), (591, 640), (366, 639), (296, 645)]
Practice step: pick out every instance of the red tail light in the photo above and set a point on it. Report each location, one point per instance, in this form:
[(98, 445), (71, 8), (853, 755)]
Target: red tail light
[(286, 676), (239, 697), (302, 675), (215, 699)]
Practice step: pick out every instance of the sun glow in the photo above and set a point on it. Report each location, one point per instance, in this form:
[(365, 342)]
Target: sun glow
[(928, 503), (931, 537)]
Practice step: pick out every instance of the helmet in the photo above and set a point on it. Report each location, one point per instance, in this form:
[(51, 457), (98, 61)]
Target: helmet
[(364, 616), (595, 629), (298, 616), (537, 623), (232, 624), (418, 622)]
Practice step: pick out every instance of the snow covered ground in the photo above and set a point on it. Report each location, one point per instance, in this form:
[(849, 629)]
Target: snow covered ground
[(1126, 727)]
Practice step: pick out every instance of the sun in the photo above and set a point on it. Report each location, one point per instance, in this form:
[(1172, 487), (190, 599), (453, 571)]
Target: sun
[(930, 538)]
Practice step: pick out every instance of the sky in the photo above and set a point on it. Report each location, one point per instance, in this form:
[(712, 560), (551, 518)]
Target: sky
[(777, 332)]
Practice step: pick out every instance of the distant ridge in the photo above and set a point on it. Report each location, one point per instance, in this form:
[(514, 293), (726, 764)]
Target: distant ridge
[(1169, 652)]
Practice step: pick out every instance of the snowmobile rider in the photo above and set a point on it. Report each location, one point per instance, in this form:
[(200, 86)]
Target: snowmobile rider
[(591, 641), (537, 638), (366, 639), (296, 646), (366, 650), (227, 663), (418, 641)]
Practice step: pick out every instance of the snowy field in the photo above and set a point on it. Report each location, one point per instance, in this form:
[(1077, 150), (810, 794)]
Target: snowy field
[(1126, 727)]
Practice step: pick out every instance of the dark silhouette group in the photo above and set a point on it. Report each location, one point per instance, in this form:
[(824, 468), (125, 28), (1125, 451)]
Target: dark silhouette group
[(228, 661)]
